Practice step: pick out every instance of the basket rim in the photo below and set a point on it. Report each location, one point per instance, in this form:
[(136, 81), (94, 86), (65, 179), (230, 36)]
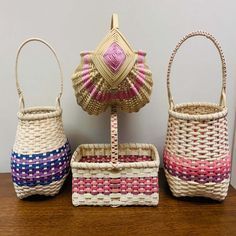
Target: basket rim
[(120, 165), (47, 112), (211, 116)]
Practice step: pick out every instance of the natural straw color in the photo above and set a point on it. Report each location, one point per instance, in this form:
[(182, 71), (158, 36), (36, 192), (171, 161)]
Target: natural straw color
[(114, 136), (102, 176), (48, 190), (114, 175), (36, 135), (20, 92), (196, 157), (40, 134), (114, 74)]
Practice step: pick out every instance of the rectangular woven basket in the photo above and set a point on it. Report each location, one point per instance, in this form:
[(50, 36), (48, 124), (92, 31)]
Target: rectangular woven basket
[(103, 177)]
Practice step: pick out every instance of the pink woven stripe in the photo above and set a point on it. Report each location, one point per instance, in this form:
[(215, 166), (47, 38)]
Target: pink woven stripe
[(148, 185), (125, 158), (201, 171), (105, 97)]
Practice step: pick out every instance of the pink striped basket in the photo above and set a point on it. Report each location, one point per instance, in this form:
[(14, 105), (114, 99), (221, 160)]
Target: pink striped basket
[(115, 175), (197, 156)]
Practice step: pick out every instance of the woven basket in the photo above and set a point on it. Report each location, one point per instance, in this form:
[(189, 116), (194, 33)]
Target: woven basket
[(197, 159), (101, 176), (41, 154)]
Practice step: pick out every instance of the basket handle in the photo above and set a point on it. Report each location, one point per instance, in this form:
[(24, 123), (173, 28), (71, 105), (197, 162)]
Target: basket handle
[(224, 73), (114, 136), (20, 92), (114, 21)]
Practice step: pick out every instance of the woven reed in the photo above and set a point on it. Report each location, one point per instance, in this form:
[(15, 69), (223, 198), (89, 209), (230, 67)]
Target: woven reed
[(106, 170), (93, 80), (181, 188), (115, 199), (39, 130), (48, 190), (197, 132), (94, 107), (37, 134), (105, 150), (115, 169)]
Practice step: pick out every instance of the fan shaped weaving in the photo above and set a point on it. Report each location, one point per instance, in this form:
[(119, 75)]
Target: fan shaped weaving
[(113, 74)]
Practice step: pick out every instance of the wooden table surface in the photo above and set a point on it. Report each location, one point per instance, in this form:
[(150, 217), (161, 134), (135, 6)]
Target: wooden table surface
[(57, 216)]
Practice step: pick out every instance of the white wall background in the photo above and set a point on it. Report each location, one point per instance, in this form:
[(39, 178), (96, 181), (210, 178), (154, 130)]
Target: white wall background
[(75, 25)]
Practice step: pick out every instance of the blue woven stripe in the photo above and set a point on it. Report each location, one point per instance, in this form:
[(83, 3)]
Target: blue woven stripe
[(42, 173), (42, 155)]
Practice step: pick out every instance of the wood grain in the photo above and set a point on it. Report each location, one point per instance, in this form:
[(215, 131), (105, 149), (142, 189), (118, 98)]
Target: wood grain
[(57, 216)]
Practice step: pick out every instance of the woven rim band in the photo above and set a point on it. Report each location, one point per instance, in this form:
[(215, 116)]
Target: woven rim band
[(184, 116), (224, 73), (39, 113), (104, 149)]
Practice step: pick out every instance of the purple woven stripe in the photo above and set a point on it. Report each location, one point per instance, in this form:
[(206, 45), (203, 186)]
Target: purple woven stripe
[(46, 159), (40, 181), (39, 173), (202, 179), (40, 169)]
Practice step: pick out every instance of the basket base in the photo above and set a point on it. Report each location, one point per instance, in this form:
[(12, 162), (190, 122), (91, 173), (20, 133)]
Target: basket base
[(47, 190), (181, 188), (115, 199)]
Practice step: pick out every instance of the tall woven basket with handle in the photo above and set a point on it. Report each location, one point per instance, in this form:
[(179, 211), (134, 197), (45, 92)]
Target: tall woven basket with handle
[(115, 175), (197, 159), (41, 154)]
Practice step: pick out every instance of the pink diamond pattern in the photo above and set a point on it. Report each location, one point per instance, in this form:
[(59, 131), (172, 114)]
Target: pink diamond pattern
[(114, 57)]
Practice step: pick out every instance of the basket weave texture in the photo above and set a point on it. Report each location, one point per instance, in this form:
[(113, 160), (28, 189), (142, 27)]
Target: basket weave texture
[(110, 174), (115, 175), (197, 159), (41, 154), (113, 74)]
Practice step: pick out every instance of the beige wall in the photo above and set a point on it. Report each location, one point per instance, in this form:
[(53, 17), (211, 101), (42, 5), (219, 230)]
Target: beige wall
[(154, 26)]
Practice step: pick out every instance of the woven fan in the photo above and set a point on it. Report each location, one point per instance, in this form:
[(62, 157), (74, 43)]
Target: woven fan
[(112, 75)]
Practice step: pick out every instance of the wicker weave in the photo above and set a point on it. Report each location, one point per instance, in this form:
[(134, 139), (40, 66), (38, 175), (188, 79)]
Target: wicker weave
[(197, 159), (41, 153), (113, 175), (112, 75)]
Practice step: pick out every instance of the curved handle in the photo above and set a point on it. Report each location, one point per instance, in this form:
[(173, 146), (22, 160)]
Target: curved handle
[(114, 136), (224, 73), (114, 21), (20, 92)]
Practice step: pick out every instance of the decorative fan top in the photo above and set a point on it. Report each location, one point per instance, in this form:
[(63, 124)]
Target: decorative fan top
[(114, 58), (112, 75)]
